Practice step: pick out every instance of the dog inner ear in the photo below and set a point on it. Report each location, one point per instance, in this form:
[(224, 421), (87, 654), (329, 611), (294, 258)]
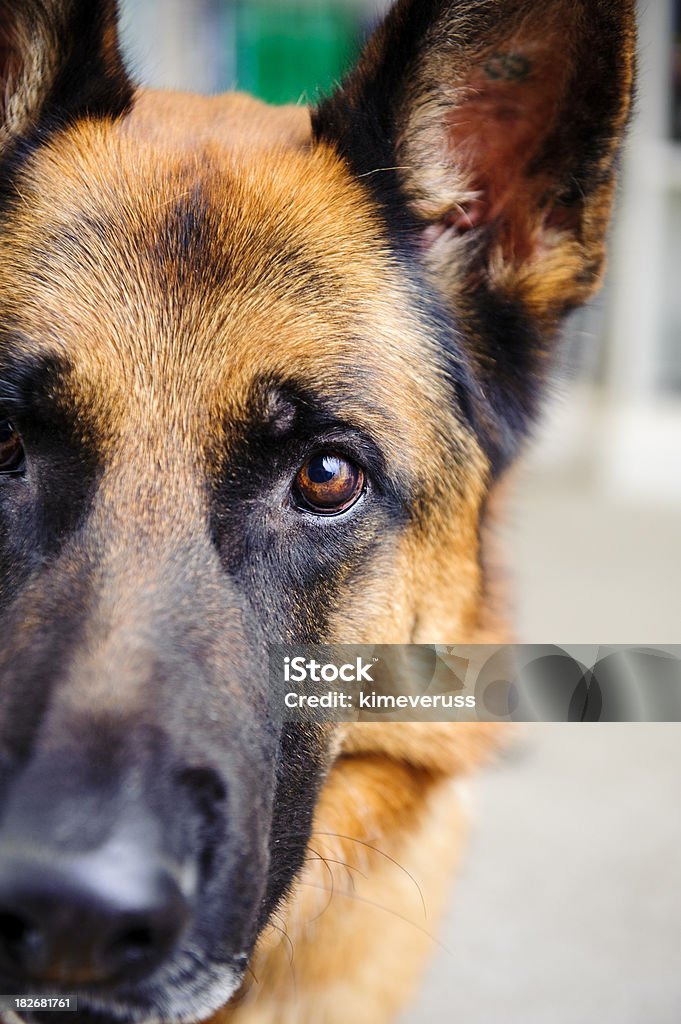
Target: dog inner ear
[(59, 59), (495, 126)]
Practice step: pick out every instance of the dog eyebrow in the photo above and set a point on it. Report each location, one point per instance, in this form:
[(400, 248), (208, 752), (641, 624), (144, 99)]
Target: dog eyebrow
[(288, 409), (30, 381), (280, 412), (291, 414), (9, 394)]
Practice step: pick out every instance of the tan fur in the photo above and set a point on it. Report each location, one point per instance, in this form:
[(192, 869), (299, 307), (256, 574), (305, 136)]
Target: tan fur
[(400, 775), (296, 276)]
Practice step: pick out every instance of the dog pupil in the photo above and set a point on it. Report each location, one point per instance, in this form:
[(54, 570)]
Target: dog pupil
[(6, 431), (323, 469)]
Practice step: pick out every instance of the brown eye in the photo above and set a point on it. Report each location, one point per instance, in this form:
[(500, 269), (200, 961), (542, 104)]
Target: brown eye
[(328, 484), (11, 449)]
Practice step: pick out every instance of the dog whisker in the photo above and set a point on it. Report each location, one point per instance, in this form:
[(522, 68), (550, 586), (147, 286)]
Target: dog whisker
[(383, 170), (377, 906), (287, 938), (367, 845), (341, 863)]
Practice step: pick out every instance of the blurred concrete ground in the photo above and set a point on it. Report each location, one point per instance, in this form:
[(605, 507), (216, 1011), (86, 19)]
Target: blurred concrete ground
[(568, 907), (592, 566)]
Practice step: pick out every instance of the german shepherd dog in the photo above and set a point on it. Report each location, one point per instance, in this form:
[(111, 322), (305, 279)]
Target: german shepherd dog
[(261, 374)]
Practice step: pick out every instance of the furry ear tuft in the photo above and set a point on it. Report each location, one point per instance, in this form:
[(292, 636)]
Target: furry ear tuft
[(59, 59)]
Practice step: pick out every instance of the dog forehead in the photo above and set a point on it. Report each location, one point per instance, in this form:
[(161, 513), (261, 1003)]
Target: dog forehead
[(187, 269), (182, 121)]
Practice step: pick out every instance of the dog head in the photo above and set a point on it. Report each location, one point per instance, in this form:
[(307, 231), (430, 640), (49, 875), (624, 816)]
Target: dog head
[(259, 371)]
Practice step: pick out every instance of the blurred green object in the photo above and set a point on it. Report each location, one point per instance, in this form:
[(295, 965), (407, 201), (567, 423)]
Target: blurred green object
[(288, 50)]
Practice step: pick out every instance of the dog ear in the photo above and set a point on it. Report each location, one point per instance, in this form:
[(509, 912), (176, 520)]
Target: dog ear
[(58, 59), (489, 133), (498, 120)]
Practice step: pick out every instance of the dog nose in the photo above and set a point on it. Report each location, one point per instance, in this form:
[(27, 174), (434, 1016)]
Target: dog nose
[(106, 917)]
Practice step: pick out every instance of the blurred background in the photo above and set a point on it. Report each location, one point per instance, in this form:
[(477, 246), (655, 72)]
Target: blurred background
[(569, 907)]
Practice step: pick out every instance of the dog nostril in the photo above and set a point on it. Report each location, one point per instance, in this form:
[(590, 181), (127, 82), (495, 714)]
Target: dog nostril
[(17, 934), (132, 945), (101, 918)]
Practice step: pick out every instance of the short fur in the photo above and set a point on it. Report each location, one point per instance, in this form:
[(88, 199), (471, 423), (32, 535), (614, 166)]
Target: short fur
[(195, 293)]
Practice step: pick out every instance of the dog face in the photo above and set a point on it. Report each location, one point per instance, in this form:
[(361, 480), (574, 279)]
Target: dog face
[(259, 372)]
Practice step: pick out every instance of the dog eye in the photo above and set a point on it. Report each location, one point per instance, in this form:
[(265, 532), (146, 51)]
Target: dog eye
[(328, 484), (12, 459)]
